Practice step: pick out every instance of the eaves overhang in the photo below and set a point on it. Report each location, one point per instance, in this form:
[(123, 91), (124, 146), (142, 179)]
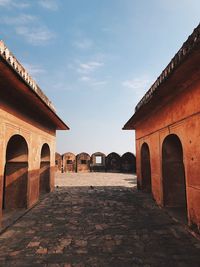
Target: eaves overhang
[(186, 60), (11, 67)]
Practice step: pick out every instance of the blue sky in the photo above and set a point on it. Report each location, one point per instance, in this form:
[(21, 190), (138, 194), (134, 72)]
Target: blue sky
[(95, 59)]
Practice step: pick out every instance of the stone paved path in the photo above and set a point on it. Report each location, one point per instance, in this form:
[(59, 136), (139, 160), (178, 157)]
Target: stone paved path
[(85, 226)]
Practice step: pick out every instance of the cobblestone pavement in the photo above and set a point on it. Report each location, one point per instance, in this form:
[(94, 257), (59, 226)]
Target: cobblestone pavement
[(89, 226)]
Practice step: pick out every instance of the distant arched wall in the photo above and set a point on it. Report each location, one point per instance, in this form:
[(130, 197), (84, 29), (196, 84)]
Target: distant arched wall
[(69, 162), (113, 162), (98, 162), (83, 162), (128, 163)]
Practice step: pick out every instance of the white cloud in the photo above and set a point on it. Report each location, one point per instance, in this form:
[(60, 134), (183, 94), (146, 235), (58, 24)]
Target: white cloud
[(30, 28), (49, 4), (89, 66), (92, 82), (21, 5), (20, 20), (99, 83), (34, 70), (87, 71), (85, 78), (35, 35), (138, 85), (14, 4), (84, 44), (5, 2)]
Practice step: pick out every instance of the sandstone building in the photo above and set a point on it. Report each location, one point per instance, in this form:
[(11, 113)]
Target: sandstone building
[(128, 163), (113, 162), (167, 124), (28, 130), (83, 162), (98, 162), (69, 162)]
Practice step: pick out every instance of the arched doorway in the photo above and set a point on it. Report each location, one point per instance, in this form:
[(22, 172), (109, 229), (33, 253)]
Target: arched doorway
[(44, 186), (15, 174), (128, 163), (98, 162), (113, 162), (174, 186), (146, 168)]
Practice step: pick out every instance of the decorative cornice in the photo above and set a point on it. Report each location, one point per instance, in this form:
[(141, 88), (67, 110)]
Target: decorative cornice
[(21, 71), (192, 42)]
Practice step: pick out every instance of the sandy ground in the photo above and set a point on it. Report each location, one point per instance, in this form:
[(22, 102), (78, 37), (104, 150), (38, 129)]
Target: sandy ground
[(95, 179)]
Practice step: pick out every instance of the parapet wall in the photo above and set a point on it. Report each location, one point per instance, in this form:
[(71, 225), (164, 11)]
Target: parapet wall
[(97, 162)]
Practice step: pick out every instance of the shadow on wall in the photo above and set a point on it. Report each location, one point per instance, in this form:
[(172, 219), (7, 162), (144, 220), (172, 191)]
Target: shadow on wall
[(15, 174), (44, 186), (97, 162), (21, 187)]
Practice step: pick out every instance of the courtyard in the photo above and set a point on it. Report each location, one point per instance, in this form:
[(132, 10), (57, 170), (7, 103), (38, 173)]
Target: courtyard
[(97, 219)]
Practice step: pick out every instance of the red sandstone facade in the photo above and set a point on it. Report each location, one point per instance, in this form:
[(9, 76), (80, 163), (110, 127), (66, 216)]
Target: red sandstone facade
[(28, 131), (167, 124)]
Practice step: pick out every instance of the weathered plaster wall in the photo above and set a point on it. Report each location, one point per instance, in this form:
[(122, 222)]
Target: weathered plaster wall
[(69, 162), (180, 116), (83, 162)]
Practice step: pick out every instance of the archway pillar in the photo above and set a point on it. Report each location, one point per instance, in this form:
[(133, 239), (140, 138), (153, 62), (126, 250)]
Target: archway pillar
[(34, 170), (52, 146)]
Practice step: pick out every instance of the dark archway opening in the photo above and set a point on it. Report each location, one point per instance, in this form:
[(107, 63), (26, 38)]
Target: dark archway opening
[(174, 186), (15, 182), (146, 168), (128, 163), (44, 184), (113, 162)]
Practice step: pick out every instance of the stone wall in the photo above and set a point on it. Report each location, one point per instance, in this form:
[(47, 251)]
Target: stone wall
[(98, 162), (167, 124), (28, 124)]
